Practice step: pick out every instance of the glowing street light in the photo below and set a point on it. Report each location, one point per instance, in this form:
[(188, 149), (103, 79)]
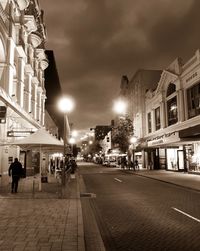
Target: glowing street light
[(66, 104), (74, 133), (133, 140), (120, 106), (72, 141)]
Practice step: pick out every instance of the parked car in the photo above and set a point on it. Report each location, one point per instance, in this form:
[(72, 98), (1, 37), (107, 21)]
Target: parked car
[(110, 160)]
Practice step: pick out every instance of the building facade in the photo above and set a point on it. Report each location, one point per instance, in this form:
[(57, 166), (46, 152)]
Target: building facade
[(22, 64), (172, 137), (134, 93)]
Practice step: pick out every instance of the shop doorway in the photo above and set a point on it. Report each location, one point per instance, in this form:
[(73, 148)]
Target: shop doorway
[(181, 162)]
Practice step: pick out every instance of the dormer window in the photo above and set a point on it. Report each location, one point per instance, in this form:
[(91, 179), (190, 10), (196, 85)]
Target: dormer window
[(171, 89)]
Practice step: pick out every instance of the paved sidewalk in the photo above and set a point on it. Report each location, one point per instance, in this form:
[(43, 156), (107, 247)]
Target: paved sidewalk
[(42, 223), (190, 181)]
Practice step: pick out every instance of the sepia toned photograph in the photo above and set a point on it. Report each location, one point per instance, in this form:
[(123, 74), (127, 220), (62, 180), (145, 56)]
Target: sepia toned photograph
[(99, 125)]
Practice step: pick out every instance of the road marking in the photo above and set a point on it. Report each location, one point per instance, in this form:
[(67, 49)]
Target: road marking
[(117, 179), (188, 215)]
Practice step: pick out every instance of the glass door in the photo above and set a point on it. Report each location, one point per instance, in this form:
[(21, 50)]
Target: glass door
[(181, 165)]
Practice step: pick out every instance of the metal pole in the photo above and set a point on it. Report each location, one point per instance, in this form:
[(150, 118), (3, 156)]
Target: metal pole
[(40, 180), (64, 151)]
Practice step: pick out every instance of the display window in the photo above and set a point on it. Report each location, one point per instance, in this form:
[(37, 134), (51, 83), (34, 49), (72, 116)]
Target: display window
[(193, 157), (172, 160)]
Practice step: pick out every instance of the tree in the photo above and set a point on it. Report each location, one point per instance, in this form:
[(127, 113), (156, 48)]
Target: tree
[(122, 132), (95, 147)]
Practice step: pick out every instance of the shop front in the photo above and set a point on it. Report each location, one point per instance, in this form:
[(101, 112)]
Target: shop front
[(166, 152), (192, 148)]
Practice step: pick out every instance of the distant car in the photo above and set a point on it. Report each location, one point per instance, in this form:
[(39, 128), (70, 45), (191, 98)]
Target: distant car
[(110, 160)]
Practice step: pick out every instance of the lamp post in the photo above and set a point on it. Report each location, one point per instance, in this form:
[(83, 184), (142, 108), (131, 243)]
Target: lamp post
[(65, 105)]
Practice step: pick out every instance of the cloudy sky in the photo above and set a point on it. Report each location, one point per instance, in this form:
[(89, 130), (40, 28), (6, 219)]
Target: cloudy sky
[(97, 41)]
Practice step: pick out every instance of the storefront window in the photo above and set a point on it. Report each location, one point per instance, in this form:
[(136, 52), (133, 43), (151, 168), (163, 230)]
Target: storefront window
[(172, 112), (157, 118), (193, 157), (193, 100), (172, 159), (149, 122)]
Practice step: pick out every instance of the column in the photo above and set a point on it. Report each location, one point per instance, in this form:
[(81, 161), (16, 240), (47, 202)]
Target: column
[(181, 107), (8, 83), (20, 87), (162, 115), (29, 80), (43, 110)]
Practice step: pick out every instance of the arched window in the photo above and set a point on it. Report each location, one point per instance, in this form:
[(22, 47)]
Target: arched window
[(171, 89)]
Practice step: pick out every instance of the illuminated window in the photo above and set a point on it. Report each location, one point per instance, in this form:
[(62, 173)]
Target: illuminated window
[(149, 122), (193, 100), (157, 118), (172, 112)]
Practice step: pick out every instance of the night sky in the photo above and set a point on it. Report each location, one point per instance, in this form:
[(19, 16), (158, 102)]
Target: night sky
[(95, 42)]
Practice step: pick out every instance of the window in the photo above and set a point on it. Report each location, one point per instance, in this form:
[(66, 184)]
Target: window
[(172, 112), (193, 99), (149, 122), (171, 89), (157, 118)]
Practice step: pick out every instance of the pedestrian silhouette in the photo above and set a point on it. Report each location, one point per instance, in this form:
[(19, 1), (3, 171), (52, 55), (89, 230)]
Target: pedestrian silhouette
[(136, 164), (15, 170)]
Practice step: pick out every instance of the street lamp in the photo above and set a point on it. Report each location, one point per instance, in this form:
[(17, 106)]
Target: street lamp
[(65, 105), (120, 106), (133, 139), (72, 141)]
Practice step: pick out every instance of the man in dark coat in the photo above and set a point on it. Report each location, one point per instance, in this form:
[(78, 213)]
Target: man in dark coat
[(16, 170)]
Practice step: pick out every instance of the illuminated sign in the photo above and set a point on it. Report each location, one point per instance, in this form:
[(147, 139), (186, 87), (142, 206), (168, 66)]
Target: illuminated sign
[(18, 133), (166, 138)]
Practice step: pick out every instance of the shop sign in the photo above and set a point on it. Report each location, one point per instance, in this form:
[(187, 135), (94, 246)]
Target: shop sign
[(194, 75), (164, 139)]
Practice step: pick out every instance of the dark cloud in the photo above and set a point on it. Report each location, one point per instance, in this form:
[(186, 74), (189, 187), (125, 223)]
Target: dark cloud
[(96, 42)]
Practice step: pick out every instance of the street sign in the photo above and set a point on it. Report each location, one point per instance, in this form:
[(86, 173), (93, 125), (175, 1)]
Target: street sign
[(18, 133)]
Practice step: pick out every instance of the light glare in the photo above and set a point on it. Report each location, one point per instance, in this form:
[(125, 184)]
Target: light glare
[(66, 104), (120, 106)]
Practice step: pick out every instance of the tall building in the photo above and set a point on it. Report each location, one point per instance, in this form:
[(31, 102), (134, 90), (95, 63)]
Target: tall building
[(53, 92), (133, 93), (22, 64)]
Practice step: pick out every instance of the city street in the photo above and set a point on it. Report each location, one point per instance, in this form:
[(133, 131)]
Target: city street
[(138, 213)]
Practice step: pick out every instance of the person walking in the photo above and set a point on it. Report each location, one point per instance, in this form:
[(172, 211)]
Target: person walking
[(136, 164), (15, 170)]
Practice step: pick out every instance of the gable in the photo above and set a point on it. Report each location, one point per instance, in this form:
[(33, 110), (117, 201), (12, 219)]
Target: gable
[(166, 78)]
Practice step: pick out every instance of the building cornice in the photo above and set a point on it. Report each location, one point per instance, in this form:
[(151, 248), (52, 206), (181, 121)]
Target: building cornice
[(40, 54), (30, 23), (44, 64), (35, 40)]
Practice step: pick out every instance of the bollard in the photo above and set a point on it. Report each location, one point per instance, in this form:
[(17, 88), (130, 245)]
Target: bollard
[(33, 191)]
